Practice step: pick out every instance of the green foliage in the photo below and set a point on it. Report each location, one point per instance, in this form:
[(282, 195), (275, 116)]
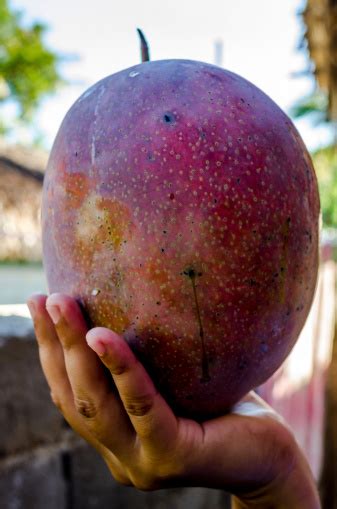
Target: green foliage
[(28, 70), (314, 106), (325, 163)]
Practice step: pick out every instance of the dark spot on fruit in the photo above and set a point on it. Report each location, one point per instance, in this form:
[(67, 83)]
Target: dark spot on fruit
[(171, 196), (164, 231), (168, 118), (158, 302), (264, 347), (242, 364), (242, 100), (190, 273), (252, 282), (76, 154), (238, 180), (309, 235), (162, 250)]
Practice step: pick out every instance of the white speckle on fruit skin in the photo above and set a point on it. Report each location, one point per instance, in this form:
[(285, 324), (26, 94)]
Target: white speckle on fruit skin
[(133, 74), (95, 292), (93, 139)]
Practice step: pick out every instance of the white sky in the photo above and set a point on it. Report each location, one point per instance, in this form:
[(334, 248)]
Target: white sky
[(259, 37)]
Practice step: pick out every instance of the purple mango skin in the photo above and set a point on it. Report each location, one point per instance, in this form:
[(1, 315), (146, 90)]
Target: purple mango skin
[(180, 207)]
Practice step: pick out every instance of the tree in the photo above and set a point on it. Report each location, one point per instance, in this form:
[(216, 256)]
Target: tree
[(325, 163), (314, 106), (28, 69)]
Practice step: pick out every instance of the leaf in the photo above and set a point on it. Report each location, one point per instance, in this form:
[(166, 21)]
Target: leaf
[(27, 66)]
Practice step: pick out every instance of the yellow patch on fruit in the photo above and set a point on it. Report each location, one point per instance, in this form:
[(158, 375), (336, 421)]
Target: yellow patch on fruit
[(103, 222)]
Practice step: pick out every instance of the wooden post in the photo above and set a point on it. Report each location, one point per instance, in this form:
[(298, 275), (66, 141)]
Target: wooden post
[(328, 483)]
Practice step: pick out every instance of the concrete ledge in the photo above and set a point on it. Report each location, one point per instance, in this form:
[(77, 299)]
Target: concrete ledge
[(35, 482), (27, 418), (92, 484)]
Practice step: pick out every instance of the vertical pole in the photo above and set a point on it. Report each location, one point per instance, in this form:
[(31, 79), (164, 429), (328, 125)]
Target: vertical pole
[(218, 52)]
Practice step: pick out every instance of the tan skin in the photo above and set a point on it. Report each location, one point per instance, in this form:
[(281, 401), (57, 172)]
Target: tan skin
[(250, 452)]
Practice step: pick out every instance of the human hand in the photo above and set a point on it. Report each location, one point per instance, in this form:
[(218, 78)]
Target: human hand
[(249, 452)]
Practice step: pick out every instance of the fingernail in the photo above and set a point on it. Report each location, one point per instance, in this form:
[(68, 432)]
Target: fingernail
[(32, 309), (99, 348), (54, 313)]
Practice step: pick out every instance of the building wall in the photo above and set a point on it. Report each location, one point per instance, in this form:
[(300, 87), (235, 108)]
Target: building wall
[(20, 230)]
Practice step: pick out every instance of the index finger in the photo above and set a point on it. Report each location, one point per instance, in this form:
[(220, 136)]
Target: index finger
[(153, 420)]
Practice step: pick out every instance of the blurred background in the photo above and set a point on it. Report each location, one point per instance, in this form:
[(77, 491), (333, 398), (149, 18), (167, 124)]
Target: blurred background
[(49, 54)]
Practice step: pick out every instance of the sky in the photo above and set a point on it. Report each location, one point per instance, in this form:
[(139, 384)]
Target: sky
[(260, 40)]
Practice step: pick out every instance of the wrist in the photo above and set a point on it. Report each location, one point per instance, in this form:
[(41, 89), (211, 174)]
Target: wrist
[(293, 488)]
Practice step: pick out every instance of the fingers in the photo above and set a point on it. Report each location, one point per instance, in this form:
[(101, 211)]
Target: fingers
[(51, 355), (94, 400), (152, 418), (64, 311), (53, 365)]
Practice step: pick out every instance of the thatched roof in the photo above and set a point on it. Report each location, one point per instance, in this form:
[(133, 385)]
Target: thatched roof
[(30, 161), (21, 178), (320, 18)]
